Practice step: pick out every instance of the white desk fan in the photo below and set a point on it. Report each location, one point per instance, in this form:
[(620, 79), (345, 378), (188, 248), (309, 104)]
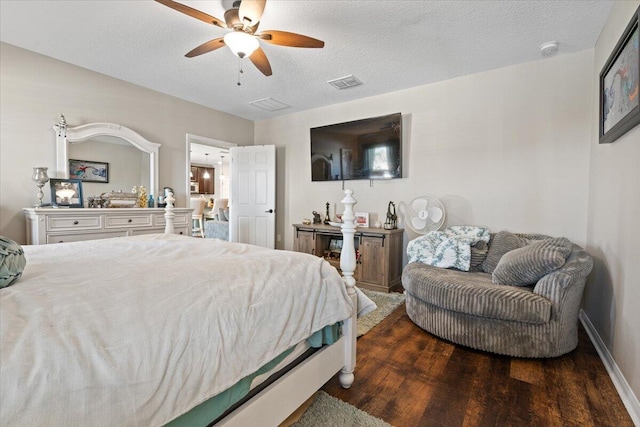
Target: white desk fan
[(424, 214)]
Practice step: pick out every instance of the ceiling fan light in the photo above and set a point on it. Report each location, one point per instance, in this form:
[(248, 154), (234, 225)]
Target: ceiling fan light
[(241, 43)]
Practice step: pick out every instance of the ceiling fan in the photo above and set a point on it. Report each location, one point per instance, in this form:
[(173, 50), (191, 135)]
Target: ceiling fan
[(243, 20)]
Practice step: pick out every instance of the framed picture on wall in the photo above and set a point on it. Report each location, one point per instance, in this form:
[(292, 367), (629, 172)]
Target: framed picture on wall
[(89, 171), (66, 193), (619, 83)]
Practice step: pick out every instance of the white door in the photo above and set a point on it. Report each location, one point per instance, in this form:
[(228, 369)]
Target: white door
[(253, 195)]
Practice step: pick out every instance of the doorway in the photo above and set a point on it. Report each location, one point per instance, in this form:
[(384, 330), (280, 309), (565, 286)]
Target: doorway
[(208, 169)]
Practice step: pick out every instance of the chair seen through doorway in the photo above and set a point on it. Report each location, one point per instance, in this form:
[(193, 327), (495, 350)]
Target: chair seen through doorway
[(197, 222)]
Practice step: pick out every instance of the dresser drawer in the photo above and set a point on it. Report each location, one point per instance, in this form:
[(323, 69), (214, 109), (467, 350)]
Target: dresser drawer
[(182, 231), (180, 219), (118, 221), (64, 238), (68, 223), (177, 230)]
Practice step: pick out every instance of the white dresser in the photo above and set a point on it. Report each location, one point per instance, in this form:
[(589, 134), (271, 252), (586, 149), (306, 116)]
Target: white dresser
[(49, 225)]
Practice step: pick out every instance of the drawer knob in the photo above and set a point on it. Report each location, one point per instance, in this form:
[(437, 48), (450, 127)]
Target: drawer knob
[(75, 222), (129, 220), (181, 232), (60, 241)]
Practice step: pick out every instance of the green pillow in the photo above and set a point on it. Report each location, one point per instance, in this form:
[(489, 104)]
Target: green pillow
[(12, 261), (525, 266)]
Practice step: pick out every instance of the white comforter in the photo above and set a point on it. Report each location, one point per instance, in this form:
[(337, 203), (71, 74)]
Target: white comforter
[(136, 331)]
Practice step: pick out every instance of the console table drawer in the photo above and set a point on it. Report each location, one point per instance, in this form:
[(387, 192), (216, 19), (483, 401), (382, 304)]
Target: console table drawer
[(65, 238), (67, 223), (128, 221)]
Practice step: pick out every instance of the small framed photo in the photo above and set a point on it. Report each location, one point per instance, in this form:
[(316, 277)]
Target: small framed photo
[(335, 245), (66, 193), (89, 171), (619, 82), (362, 219)]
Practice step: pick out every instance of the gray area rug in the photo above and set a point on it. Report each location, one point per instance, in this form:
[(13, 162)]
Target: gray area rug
[(386, 304), (328, 411)]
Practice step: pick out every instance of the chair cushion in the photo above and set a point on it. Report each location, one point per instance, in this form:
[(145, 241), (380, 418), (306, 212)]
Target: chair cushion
[(473, 293), (216, 230), (12, 261), (501, 243), (526, 265)]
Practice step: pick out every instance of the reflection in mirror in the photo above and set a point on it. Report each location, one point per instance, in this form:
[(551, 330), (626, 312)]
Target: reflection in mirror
[(126, 165), (132, 159)]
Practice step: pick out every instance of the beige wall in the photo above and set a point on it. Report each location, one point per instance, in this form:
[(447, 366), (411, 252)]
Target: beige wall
[(508, 149), (35, 89), (612, 296)]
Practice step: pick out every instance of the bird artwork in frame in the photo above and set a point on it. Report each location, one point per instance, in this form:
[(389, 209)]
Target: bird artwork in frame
[(89, 171), (620, 85)]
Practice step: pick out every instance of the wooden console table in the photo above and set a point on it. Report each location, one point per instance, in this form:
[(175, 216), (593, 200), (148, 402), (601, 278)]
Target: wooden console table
[(379, 253), (50, 225)]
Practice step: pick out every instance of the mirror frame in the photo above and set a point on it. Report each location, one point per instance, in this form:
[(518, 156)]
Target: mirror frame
[(70, 135)]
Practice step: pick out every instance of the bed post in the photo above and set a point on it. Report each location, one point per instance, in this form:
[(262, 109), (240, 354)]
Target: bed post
[(168, 214), (348, 266)]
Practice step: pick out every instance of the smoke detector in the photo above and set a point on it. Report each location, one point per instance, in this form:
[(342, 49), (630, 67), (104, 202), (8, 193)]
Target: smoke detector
[(549, 49)]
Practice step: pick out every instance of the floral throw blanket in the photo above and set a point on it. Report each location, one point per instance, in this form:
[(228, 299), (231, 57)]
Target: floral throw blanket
[(450, 247)]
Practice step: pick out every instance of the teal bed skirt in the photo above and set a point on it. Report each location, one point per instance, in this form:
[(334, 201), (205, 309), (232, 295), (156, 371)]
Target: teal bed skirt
[(209, 410)]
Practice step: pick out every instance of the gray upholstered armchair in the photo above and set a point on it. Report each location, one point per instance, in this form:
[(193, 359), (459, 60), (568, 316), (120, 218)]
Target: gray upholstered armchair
[(468, 308), (218, 228)]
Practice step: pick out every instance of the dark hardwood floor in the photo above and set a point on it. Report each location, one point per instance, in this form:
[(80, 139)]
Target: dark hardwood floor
[(409, 377)]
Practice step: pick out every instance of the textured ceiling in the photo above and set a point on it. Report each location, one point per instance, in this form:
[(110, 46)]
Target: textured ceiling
[(388, 45), (208, 155)]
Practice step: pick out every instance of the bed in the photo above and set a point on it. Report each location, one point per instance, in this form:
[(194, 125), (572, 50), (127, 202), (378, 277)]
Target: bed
[(141, 330)]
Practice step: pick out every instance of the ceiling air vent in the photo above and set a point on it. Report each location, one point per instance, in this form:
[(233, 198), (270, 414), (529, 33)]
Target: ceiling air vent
[(345, 82), (269, 104)]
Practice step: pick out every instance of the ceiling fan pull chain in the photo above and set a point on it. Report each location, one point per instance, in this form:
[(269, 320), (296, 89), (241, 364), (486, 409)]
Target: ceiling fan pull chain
[(240, 70)]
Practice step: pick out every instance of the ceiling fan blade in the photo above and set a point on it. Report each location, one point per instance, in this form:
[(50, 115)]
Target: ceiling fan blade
[(251, 11), (284, 38), (209, 46), (254, 28), (261, 62), (194, 13)]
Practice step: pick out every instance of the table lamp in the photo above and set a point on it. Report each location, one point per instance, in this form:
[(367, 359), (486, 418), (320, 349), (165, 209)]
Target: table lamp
[(40, 177)]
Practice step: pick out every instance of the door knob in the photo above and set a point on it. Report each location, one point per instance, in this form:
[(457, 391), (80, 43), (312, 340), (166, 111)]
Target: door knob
[(269, 211)]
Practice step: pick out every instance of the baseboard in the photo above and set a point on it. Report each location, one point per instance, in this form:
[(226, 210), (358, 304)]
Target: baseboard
[(627, 395)]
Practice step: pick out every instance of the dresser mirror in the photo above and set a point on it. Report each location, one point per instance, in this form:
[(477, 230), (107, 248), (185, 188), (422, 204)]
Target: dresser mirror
[(107, 157)]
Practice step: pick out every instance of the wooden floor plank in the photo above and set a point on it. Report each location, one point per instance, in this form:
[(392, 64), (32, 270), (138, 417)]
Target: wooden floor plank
[(411, 378)]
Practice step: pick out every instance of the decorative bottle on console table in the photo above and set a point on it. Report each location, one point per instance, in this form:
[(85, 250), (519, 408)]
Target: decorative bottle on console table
[(327, 218)]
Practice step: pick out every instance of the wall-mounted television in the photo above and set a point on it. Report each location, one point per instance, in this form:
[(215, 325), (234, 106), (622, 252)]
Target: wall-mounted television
[(361, 149)]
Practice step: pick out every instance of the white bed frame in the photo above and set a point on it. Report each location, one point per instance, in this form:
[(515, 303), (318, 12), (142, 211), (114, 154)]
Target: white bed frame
[(276, 402)]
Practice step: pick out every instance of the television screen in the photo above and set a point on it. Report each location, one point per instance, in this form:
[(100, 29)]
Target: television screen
[(362, 149)]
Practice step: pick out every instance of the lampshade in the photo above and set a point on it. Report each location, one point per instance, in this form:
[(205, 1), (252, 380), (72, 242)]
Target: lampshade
[(240, 43), (40, 175)]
